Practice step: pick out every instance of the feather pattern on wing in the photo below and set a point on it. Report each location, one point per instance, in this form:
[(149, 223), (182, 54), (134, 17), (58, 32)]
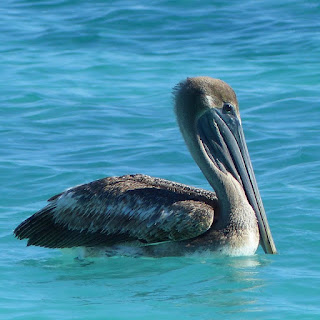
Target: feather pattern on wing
[(118, 210)]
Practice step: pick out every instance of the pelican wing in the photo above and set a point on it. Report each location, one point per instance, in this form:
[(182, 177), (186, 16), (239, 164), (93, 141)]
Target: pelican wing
[(121, 209)]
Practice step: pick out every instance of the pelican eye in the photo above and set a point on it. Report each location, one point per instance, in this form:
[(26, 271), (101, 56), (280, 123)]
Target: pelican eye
[(227, 107)]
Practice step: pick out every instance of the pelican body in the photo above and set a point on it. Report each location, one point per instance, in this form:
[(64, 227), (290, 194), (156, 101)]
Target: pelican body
[(157, 217)]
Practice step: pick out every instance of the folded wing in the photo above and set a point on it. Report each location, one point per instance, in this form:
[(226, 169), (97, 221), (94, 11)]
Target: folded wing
[(120, 210)]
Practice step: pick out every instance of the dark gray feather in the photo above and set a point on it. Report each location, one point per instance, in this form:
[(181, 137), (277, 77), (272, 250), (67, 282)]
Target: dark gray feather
[(116, 210)]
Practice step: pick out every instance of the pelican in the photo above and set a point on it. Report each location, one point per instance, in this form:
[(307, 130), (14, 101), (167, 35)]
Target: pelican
[(158, 217)]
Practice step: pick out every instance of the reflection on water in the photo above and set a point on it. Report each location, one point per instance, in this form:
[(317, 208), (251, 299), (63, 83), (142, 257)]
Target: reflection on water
[(213, 283)]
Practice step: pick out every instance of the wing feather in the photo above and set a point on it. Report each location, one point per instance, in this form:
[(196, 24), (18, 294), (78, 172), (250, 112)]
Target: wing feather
[(121, 209)]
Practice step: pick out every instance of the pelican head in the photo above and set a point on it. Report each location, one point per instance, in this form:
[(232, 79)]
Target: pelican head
[(208, 116)]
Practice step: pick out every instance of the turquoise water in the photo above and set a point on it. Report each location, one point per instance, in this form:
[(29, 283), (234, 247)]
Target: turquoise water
[(86, 93)]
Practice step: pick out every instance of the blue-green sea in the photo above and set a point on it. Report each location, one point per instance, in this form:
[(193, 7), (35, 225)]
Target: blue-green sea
[(86, 93)]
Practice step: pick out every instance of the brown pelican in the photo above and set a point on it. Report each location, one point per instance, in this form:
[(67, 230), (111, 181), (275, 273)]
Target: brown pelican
[(161, 217)]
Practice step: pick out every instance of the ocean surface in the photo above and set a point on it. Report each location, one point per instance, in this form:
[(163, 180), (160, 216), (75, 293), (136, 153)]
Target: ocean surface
[(86, 93)]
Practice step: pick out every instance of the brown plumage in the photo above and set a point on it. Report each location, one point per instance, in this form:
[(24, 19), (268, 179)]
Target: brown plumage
[(121, 210), (164, 217)]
